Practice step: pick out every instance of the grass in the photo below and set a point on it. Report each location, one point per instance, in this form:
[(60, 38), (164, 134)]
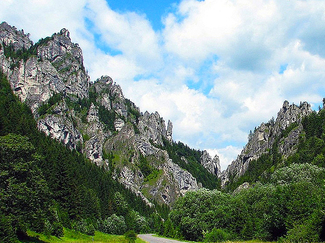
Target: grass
[(72, 236)]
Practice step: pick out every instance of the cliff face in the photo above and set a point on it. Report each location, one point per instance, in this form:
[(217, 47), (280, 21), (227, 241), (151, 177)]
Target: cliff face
[(264, 137), (212, 165), (92, 117)]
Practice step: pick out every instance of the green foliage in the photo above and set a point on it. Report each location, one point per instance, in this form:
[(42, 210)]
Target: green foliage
[(200, 211), (107, 117), (169, 230), (7, 233), (120, 205), (84, 226), (137, 222), (296, 173), (23, 190), (114, 225), (290, 207), (147, 170), (216, 235)]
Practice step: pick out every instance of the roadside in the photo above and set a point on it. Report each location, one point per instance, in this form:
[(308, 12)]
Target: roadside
[(150, 238)]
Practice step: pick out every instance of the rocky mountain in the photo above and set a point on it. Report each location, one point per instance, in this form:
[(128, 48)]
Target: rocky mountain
[(95, 118), (281, 135)]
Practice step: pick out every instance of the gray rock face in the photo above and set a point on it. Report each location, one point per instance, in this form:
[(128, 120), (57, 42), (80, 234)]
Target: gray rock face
[(111, 95), (265, 135), (171, 182), (61, 128), (169, 134), (185, 181), (119, 124), (10, 35), (153, 127), (57, 67), (212, 165), (243, 186), (67, 58)]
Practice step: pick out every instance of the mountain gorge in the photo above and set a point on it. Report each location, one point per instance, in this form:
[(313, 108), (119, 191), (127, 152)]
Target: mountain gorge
[(77, 154)]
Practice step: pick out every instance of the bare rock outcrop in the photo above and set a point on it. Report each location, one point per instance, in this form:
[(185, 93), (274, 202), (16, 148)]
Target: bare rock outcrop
[(212, 165), (264, 136)]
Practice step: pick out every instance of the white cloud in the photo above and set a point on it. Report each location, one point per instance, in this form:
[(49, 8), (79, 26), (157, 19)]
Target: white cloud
[(250, 56)]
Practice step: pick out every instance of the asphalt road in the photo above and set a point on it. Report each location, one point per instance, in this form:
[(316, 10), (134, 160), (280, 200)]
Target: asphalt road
[(153, 239)]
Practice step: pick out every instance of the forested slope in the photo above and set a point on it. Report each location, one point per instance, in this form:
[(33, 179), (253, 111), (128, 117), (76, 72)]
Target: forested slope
[(45, 186)]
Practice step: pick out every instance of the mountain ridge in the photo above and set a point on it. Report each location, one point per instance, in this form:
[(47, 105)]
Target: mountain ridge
[(49, 76)]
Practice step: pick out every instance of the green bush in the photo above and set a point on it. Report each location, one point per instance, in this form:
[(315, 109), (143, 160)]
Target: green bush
[(84, 227), (137, 222), (114, 225), (216, 235)]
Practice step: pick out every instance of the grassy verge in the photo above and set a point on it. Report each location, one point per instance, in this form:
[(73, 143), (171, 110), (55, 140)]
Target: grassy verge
[(76, 237), (182, 240)]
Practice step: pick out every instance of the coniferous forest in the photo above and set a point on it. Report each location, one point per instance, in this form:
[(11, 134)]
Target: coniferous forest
[(45, 186)]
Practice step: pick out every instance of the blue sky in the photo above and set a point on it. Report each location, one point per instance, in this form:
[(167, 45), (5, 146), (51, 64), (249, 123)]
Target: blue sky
[(154, 10), (215, 68)]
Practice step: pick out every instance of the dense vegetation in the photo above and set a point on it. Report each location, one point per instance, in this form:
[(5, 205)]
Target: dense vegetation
[(44, 186), (290, 206), (285, 202)]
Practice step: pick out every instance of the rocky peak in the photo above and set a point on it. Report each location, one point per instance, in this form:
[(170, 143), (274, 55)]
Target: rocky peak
[(169, 134), (111, 95), (65, 32), (10, 35), (289, 114), (67, 58), (212, 165), (53, 65), (153, 126), (264, 136)]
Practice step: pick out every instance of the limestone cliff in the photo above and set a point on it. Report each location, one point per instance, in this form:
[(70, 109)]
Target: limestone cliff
[(92, 117)]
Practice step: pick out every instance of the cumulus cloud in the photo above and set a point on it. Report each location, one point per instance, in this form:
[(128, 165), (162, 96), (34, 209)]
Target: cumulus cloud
[(216, 69)]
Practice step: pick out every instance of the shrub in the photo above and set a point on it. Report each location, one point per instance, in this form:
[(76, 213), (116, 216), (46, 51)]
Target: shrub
[(84, 227), (216, 235), (114, 225)]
